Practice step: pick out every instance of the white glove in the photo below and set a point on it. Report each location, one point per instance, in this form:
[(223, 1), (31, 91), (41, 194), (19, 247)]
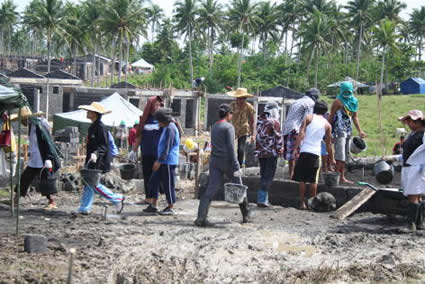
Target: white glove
[(93, 158), (132, 156), (48, 164), (238, 173)]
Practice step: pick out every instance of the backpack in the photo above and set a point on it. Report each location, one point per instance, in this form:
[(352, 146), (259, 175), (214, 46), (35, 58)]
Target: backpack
[(113, 150)]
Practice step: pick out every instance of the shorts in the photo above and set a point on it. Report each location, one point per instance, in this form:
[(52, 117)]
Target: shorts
[(289, 145), (307, 168), (342, 148), (323, 150)]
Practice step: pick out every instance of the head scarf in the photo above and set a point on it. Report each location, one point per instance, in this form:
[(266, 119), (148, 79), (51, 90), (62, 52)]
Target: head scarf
[(149, 110), (273, 110), (346, 96), (313, 93)]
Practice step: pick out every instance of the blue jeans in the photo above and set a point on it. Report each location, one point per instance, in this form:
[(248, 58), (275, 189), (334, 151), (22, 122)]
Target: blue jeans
[(267, 171), (88, 197)]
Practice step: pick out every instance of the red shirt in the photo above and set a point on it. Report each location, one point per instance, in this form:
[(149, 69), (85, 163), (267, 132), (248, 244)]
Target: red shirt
[(132, 136)]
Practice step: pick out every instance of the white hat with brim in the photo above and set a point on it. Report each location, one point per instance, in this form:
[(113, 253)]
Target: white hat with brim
[(240, 93), (25, 113), (413, 115), (95, 107)]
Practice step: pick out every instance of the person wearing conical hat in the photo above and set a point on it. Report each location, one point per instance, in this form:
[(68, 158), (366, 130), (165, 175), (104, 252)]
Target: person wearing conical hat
[(44, 160), (98, 158), (243, 120)]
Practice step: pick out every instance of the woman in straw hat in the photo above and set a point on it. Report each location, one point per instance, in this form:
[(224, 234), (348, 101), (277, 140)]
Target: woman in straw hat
[(44, 158), (243, 120), (413, 171), (98, 158)]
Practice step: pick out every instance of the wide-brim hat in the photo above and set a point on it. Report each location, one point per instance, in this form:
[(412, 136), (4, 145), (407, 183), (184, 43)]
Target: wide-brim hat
[(240, 93), (95, 107), (25, 113), (413, 115)]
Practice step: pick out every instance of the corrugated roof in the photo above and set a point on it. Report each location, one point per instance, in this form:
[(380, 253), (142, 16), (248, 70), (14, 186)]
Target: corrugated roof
[(25, 73), (60, 74), (418, 80)]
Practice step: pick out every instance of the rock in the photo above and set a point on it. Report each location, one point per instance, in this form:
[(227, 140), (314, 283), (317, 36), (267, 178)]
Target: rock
[(323, 202), (35, 243)]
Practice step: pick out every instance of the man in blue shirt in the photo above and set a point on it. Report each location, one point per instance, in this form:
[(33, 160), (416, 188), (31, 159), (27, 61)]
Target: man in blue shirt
[(165, 165)]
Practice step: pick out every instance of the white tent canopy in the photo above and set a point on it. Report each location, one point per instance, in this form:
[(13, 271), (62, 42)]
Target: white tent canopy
[(356, 84), (122, 110), (141, 63)]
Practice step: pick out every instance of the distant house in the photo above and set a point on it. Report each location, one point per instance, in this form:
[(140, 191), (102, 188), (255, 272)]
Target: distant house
[(123, 85), (84, 63), (281, 92), (413, 86)]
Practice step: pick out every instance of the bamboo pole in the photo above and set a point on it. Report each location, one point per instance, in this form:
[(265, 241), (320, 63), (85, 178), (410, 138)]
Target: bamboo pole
[(12, 205), (18, 173)]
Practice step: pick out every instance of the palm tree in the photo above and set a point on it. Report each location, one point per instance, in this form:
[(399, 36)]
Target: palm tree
[(385, 36), (185, 16), (315, 35), (242, 13), (289, 15), (155, 15), (8, 19), (47, 16), (125, 20), (166, 40), (417, 27), (326, 7), (360, 14), (268, 19), (390, 9), (210, 19)]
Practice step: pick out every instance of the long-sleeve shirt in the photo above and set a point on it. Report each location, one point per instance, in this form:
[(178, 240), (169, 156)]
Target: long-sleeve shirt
[(168, 147), (223, 143), (297, 113), (269, 137), (97, 141)]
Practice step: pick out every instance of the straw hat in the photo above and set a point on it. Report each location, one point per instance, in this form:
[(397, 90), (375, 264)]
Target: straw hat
[(25, 113), (240, 93), (95, 107), (413, 115)]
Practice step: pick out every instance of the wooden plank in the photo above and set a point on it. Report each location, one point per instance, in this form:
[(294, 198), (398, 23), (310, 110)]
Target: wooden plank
[(352, 205)]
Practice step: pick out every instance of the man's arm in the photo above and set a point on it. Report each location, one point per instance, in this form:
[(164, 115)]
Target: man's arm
[(357, 125), (328, 141), (251, 124), (336, 105)]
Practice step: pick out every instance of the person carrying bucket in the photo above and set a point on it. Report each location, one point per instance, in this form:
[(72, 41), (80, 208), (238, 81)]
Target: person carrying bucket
[(97, 158), (344, 111), (223, 161)]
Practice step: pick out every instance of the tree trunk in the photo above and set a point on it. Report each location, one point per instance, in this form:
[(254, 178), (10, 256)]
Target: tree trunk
[(93, 62), (120, 59), (48, 52), (74, 61), (210, 52), (316, 70), (240, 61), (420, 48), (190, 56), (126, 60), (292, 42), (286, 47), (380, 99), (153, 30), (113, 62), (309, 64), (358, 50)]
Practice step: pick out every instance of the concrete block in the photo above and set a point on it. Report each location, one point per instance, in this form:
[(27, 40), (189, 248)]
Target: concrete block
[(35, 243)]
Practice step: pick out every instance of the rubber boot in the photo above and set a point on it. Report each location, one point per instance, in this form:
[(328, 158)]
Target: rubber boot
[(247, 214), (420, 217), (412, 215), (204, 207), (263, 199)]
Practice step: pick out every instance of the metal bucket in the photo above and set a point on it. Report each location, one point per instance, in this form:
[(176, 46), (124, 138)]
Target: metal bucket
[(384, 172), (234, 193), (90, 177), (357, 145), (331, 179)]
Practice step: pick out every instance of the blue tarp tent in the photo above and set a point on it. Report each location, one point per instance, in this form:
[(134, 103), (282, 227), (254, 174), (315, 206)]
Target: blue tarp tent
[(413, 86)]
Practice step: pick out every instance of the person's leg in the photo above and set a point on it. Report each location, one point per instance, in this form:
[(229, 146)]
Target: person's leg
[(147, 164), (153, 192), (241, 149), (412, 212), (168, 184), (301, 189), (270, 165), (324, 154), (340, 157), (260, 191), (115, 198), (214, 181), (27, 177), (86, 200), (291, 153)]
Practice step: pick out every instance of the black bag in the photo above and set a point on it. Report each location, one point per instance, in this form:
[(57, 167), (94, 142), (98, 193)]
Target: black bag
[(48, 182)]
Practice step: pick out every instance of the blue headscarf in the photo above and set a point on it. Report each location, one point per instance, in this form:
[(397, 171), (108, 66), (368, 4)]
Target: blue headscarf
[(346, 96)]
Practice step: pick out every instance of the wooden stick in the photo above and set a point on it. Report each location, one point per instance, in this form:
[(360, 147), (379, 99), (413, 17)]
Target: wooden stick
[(197, 173)]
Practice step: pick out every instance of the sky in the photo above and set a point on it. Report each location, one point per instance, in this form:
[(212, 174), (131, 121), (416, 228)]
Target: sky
[(168, 7)]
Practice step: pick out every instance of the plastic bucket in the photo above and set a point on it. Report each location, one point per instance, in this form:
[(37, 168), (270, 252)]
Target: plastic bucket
[(384, 172), (90, 177), (127, 171), (357, 145), (234, 193), (331, 179)]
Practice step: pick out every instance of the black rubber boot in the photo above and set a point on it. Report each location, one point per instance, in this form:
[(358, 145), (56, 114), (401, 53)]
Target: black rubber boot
[(247, 214), (420, 217), (204, 206), (412, 216)]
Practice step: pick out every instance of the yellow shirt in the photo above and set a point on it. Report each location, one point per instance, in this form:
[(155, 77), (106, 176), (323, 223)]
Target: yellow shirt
[(241, 117)]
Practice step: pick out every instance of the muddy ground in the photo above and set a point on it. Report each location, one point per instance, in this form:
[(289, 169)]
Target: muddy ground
[(281, 245)]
